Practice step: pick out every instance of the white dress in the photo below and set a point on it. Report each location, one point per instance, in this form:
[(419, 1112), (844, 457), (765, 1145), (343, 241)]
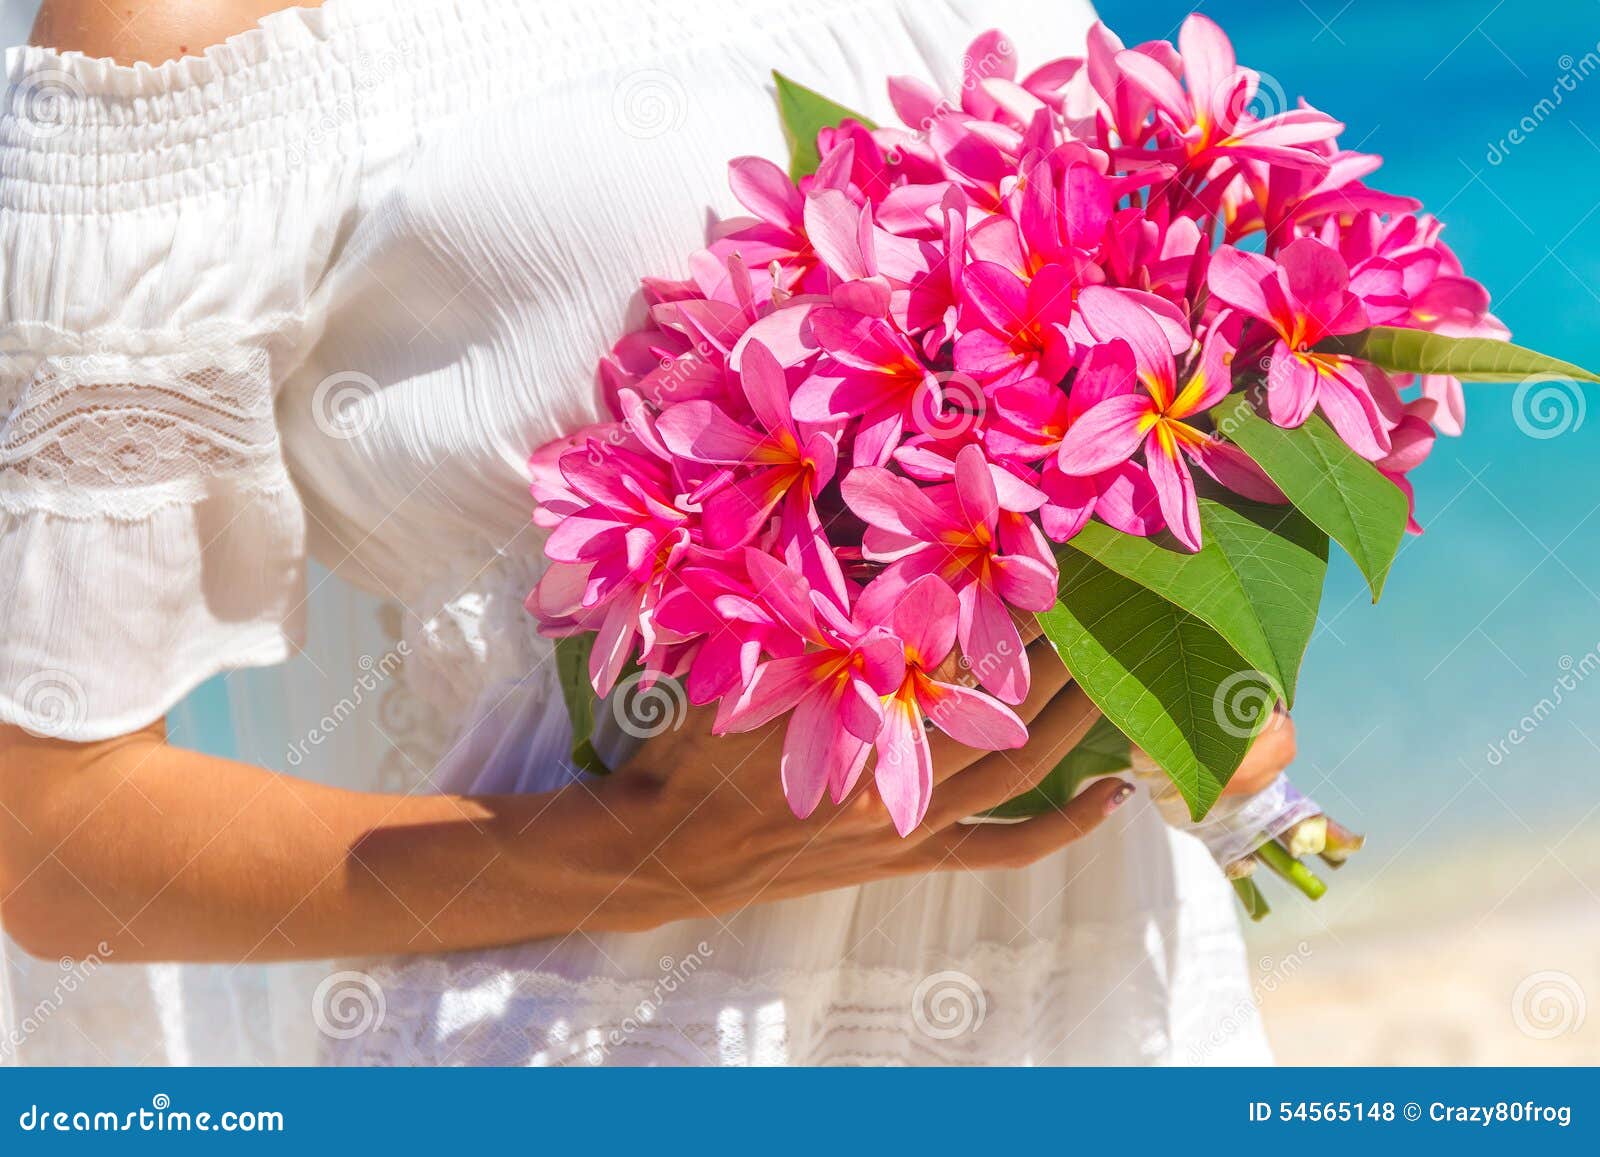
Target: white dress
[(313, 296)]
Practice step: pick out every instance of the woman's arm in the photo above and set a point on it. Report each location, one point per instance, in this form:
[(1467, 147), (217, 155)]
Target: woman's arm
[(167, 854)]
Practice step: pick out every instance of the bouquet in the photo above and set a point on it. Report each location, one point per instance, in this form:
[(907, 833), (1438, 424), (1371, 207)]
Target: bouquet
[(1098, 344)]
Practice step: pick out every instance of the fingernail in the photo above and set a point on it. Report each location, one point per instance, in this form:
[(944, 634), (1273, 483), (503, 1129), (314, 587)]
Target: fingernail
[(1119, 797)]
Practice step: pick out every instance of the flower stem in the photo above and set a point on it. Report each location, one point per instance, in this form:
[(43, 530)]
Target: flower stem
[(1306, 838), (1342, 843), (1273, 856), (1255, 904)]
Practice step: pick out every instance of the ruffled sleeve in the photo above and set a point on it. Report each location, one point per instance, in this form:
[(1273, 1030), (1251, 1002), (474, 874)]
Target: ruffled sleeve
[(161, 234)]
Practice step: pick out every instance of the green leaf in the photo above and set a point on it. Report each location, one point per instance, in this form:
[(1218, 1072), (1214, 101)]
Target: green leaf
[(1477, 359), (572, 665), (1257, 580), (805, 113), (1328, 482), (1167, 680), (1102, 751)]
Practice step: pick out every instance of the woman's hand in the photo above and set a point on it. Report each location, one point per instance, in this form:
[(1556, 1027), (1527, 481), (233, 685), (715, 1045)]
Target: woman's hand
[(721, 836), (1273, 752), (135, 848)]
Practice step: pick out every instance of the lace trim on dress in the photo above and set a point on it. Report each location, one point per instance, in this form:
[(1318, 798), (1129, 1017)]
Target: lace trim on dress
[(996, 1003), (111, 435)]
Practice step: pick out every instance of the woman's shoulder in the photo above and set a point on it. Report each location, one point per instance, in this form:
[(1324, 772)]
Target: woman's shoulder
[(155, 32)]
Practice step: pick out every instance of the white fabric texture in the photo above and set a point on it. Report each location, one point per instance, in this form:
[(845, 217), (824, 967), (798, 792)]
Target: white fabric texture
[(315, 295)]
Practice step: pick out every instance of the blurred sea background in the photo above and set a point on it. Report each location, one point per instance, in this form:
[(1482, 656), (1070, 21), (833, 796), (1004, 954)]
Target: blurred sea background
[(1457, 723)]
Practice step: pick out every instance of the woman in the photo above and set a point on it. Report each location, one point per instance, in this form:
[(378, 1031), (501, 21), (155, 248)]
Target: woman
[(315, 292)]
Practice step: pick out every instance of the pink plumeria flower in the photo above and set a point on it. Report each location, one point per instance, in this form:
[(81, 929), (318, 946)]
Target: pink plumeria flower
[(1015, 328), (924, 617), (873, 372), (1413, 440), (994, 558), (780, 463), (1028, 421), (1305, 297), (728, 626), (1210, 113), (835, 690), (614, 556), (1126, 420)]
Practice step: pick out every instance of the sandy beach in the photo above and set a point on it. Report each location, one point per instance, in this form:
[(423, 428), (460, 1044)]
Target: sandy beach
[(1492, 960)]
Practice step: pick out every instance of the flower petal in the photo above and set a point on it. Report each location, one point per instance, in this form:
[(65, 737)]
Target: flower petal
[(1106, 436)]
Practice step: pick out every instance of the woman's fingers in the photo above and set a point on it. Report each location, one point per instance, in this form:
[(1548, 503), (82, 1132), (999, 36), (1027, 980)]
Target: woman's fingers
[(976, 847), (1049, 677), (1272, 752), (1001, 775)]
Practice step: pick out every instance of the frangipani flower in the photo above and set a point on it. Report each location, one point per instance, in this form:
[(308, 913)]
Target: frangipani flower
[(848, 431), (994, 558), (835, 689), (1125, 420), (613, 555), (924, 618), (1209, 113), (785, 463), (1305, 297)]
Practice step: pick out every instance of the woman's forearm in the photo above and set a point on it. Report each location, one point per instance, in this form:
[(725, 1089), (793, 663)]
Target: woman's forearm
[(160, 853)]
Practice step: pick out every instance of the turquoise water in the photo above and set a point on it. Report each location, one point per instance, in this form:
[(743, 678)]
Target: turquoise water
[(1400, 704)]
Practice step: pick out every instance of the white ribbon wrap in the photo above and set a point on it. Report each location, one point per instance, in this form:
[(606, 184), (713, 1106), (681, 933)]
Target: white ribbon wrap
[(1237, 824)]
